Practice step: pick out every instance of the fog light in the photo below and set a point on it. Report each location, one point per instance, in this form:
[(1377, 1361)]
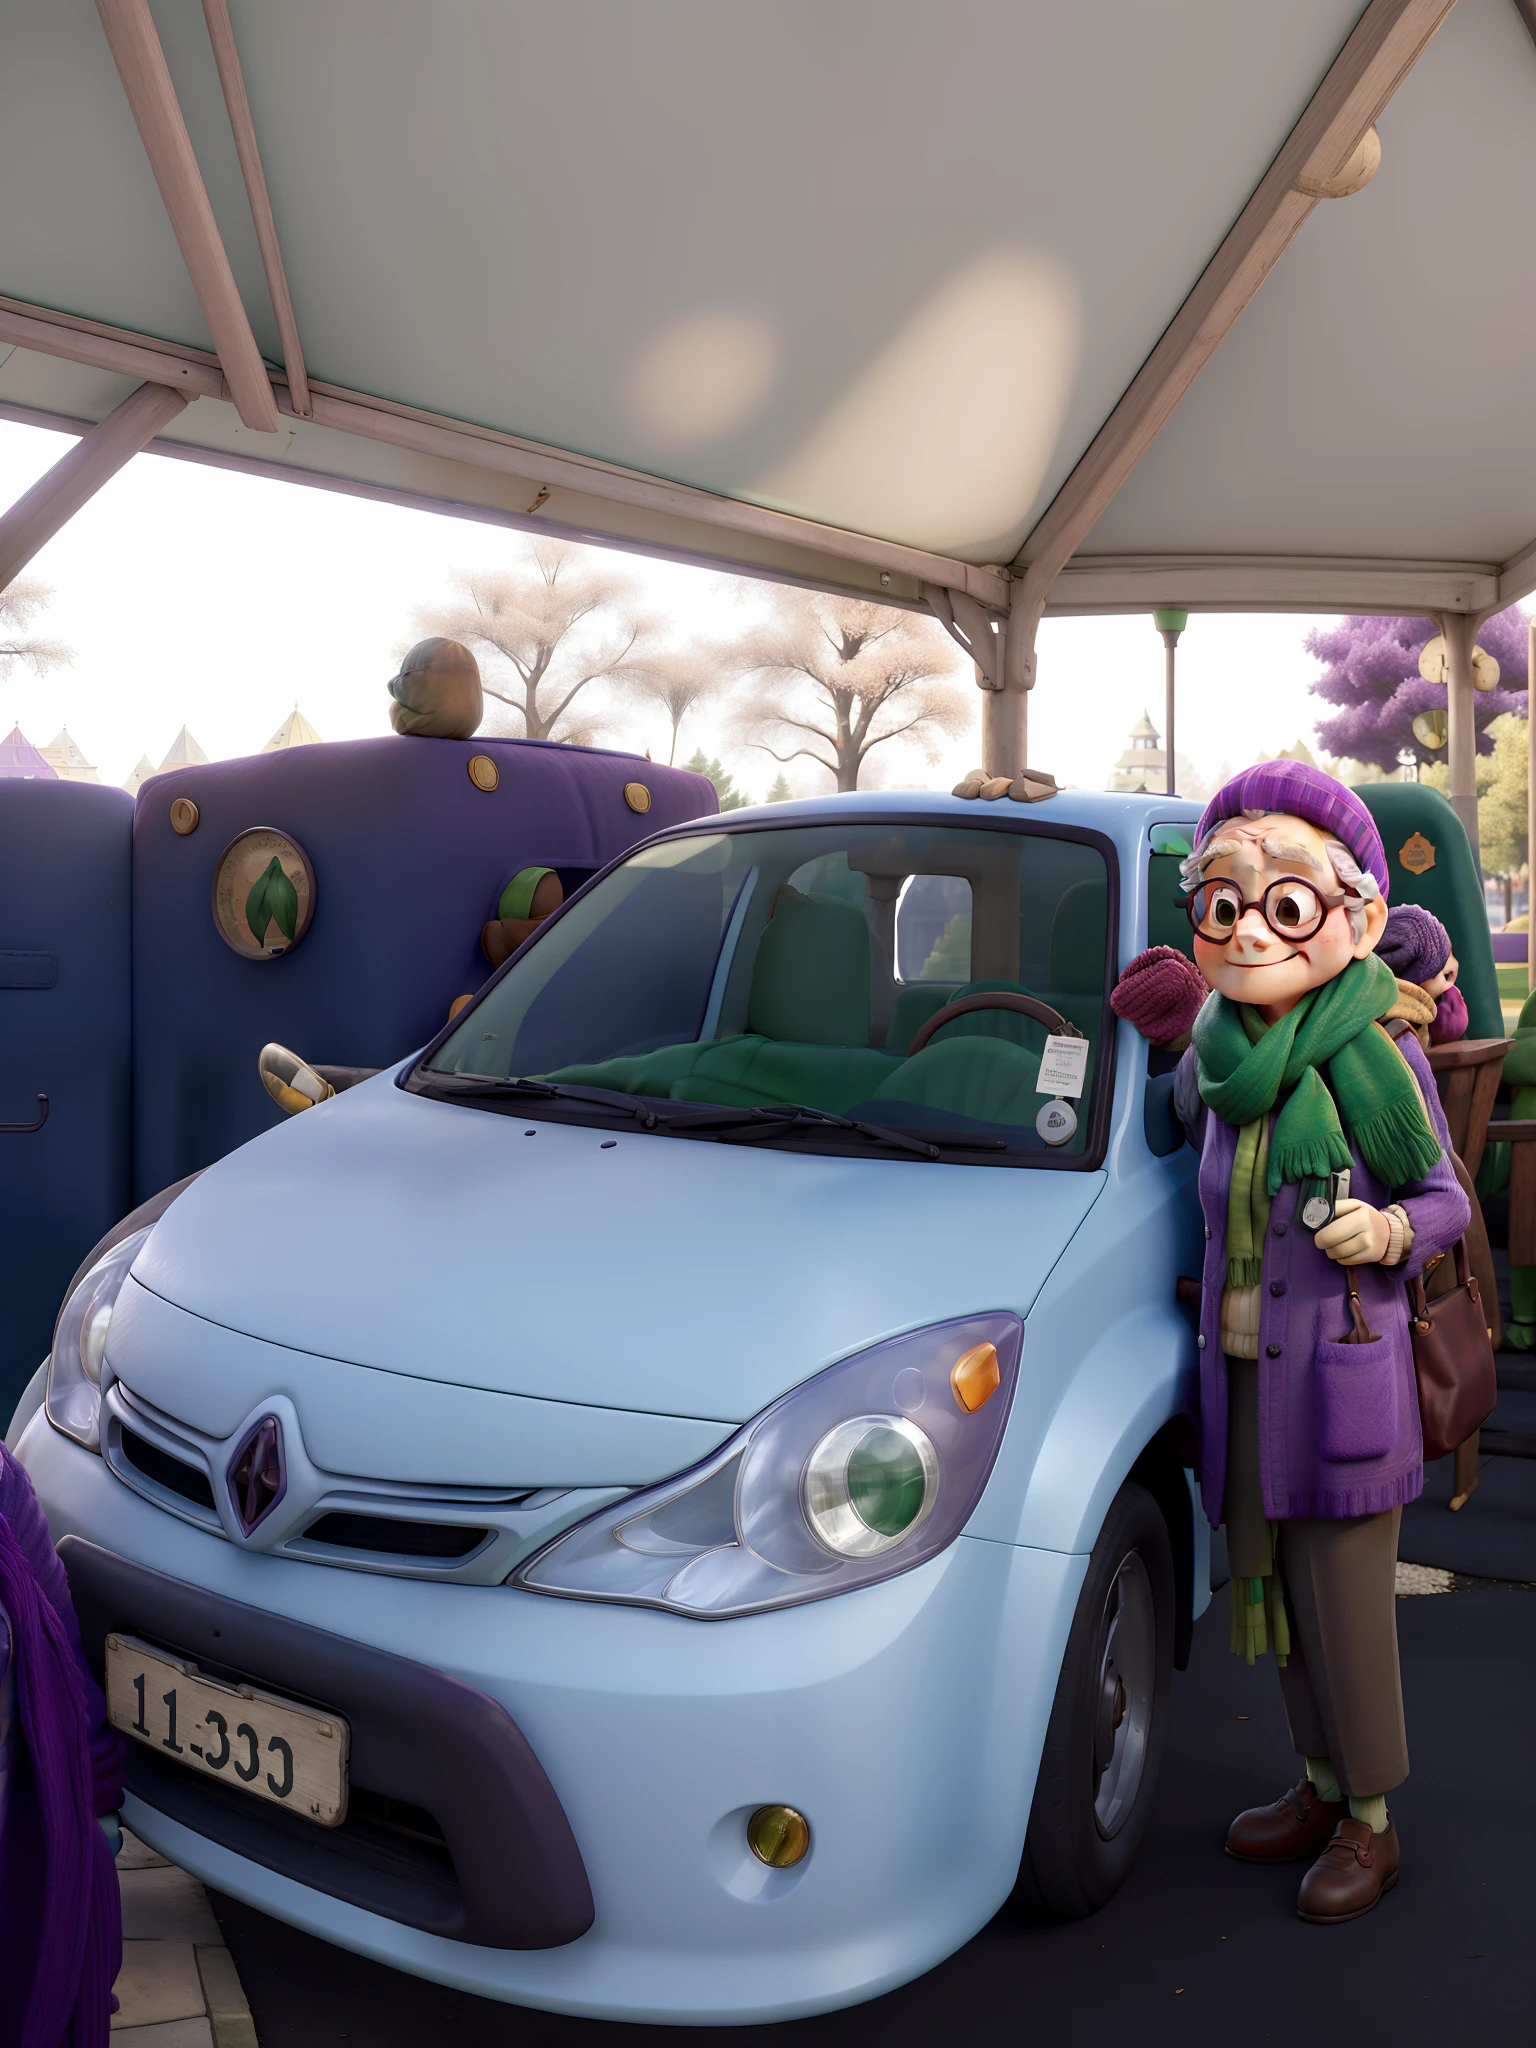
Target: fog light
[(778, 1836)]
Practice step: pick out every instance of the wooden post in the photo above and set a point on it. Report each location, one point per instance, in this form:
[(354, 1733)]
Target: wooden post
[(78, 475), (1005, 712), (1460, 630)]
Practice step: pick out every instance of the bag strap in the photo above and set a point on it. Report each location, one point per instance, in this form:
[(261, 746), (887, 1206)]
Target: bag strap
[(1364, 1334)]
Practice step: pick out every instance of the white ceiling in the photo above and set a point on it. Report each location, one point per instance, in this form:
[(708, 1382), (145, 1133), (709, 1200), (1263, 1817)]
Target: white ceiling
[(1377, 397), (883, 263)]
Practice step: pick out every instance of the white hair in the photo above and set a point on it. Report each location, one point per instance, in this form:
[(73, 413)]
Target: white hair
[(1360, 887)]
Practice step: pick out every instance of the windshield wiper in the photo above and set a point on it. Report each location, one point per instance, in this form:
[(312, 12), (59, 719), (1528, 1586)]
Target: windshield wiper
[(640, 1107), (552, 1091), (730, 1124), (796, 1118)]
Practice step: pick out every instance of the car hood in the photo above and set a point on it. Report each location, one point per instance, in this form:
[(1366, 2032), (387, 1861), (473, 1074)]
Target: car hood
[(671, 1275)]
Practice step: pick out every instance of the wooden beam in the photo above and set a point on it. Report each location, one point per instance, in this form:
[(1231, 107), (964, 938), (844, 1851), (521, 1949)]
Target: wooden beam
[(124, 355), (80, 473), (1384, 46), (1269, 583), (1517, 578), (221, 34), (431, 434), (141, 65)]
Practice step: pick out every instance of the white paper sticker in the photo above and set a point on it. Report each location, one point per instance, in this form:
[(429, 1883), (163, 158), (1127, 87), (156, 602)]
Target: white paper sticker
[(1063, 1066)]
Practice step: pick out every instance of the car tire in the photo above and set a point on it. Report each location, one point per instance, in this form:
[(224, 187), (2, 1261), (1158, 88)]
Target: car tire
[(1098, 1770)]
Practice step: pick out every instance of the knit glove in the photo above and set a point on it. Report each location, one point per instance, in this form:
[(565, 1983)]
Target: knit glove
[(1160, 992), (1450, 1017)]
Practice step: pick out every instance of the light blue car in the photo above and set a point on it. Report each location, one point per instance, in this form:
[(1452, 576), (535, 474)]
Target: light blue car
[(654, 1507)]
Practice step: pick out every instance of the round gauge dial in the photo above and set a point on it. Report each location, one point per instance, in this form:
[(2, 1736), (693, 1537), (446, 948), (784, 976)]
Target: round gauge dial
[(263, 893)]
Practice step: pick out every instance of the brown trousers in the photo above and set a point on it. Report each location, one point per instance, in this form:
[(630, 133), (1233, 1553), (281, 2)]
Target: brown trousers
[(1341, 1684)]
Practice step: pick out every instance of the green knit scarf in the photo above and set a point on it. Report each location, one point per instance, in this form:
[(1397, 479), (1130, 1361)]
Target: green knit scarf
[(1369, 1081)]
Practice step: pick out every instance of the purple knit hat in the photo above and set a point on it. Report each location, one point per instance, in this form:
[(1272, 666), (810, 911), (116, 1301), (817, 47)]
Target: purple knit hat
[(1302, 792), (1415, 944)]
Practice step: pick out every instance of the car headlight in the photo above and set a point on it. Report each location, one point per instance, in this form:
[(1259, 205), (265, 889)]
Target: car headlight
[(870, 1468), (80, 1344)]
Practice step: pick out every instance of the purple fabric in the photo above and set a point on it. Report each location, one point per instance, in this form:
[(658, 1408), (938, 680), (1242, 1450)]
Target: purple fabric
[(1306, 1413), (61, 1940), (1450, 1018), (1301, 792), (1415, 944), (1160, 992)]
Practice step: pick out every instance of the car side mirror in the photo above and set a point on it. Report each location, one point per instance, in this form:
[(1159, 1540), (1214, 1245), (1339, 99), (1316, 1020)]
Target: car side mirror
[(291, 1082)]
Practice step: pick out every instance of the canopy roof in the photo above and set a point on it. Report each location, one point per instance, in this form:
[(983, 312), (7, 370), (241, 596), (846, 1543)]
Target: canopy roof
[(877, 294)]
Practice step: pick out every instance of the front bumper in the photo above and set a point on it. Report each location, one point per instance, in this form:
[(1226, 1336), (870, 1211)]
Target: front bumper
[(905, 1721)]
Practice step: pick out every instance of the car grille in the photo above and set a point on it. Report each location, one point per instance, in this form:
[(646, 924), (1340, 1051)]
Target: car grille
[(176, 1477), (391, 1537)]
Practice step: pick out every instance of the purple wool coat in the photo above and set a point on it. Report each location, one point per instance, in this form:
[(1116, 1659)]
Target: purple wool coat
[(1338, 1423)]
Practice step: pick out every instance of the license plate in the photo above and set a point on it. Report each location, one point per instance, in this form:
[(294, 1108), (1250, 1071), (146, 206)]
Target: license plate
[(291, 1756)]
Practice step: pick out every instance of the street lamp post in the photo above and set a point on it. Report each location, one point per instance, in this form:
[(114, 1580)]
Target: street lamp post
[(1170, 625)]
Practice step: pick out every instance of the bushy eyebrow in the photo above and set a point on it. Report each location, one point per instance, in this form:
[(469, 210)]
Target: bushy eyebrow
[(1277, 849), (1281, 849)]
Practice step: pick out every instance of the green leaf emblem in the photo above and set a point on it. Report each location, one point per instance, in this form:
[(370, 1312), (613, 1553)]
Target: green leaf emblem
[(273, 899)]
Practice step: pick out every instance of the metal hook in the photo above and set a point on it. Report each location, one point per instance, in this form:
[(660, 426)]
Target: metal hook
[(14, 1130)]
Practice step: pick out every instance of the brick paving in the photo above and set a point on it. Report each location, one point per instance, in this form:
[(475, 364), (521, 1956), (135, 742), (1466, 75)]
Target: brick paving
[(178, 1987)]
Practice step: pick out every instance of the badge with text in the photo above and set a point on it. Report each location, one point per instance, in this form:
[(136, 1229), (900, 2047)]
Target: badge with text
[(1063, 1066)]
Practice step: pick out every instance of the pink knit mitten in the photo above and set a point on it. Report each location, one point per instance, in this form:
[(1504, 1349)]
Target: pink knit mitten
[(1160, 992)]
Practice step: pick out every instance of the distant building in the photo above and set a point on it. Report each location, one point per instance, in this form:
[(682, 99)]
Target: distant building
[(184, 753), (143, 769), (1144, 765), (19, 757), (64, 757), (295, 731)]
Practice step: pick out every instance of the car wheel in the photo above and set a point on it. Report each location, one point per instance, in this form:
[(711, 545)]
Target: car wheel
[(1098, 1771)]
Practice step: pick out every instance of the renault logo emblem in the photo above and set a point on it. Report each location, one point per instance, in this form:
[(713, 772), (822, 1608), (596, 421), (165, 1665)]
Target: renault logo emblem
[(257, 1475)]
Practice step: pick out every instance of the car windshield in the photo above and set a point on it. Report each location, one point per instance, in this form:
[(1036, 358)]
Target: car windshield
[(901, 978)]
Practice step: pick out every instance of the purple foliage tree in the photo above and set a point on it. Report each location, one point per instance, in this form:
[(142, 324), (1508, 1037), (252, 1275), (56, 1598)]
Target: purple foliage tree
[(1372, 673)]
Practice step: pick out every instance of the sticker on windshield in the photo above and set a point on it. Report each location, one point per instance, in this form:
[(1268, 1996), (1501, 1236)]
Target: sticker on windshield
[(1063, 1066)]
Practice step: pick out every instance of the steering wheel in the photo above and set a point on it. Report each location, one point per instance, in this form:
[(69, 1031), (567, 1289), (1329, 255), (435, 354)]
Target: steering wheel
[(993, 999)]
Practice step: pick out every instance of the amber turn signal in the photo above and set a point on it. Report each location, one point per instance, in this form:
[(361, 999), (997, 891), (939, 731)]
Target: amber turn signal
[(974, 1377), (778, 1836)]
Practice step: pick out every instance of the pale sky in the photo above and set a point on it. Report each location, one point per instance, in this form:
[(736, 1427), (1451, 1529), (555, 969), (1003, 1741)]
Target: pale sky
[(198, 596)]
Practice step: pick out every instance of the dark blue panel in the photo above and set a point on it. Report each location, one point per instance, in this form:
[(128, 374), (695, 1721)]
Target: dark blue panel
[(409, 858), (64, 1033)]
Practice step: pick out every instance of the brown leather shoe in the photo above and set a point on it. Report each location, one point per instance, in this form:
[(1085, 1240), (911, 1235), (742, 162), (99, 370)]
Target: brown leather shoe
[(1297, 1825), (1350, 1875)]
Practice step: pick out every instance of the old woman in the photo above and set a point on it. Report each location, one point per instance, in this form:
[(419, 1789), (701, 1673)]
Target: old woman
[(1309, 1410)]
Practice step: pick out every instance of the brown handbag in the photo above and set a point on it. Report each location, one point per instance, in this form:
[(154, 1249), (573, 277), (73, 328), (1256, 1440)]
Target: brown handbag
[(1452, 1360)]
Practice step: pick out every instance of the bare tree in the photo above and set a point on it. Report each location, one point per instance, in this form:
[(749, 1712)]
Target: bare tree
[(678, 679), (543, 631), (18, 603), (835, 677)]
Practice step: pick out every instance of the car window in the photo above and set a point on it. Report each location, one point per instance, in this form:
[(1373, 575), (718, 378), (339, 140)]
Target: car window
[(818, 965)]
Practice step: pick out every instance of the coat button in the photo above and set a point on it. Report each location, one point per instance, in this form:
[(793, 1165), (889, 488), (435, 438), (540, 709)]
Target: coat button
[(1207, 1233), (1272, 1350), (1279, 1230), (1200, 1343), (1277, 1287)]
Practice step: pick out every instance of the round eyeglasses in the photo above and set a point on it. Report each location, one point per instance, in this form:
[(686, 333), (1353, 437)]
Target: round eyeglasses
[(1292, 908)]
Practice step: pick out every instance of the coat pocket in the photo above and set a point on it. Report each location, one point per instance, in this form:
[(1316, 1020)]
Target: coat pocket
[(1357, 1395)]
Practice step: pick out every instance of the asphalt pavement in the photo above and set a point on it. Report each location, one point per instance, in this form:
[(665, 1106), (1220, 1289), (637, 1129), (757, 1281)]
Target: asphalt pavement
[(1194, 1948)]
